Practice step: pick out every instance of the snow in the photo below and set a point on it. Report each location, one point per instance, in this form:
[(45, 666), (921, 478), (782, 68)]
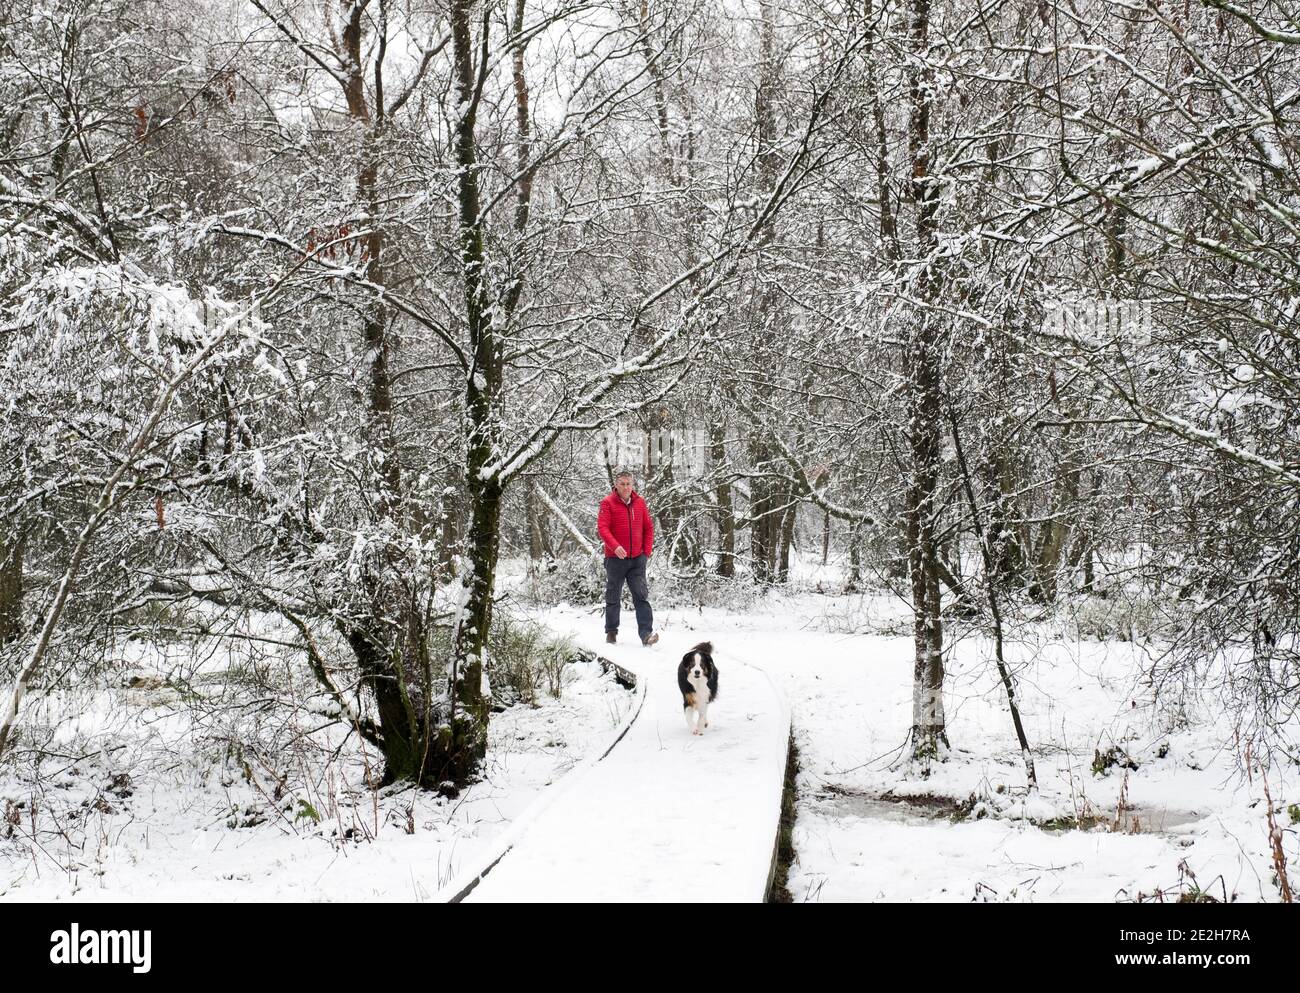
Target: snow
[(667, 816), (605, 796), (193, 828), (870, 828), (471, 877)]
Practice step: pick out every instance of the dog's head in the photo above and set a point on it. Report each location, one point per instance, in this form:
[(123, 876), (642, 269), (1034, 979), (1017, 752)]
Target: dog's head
[(697, 664)]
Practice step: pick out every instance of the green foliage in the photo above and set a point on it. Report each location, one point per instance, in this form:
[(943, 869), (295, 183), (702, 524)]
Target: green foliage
[(306, 810)]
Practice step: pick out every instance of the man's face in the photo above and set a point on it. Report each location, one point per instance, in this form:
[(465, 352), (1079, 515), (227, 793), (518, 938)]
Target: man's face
[(624, 486)]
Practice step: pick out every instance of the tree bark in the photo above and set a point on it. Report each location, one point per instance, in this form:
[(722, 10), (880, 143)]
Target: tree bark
[(787, 538), (534, 524), (11, 588), (922, 366), (726, 512), (1056, 529), (462, 740), (390, 647)]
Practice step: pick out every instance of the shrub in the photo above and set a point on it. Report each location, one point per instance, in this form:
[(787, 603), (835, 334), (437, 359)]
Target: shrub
[(522, 658)]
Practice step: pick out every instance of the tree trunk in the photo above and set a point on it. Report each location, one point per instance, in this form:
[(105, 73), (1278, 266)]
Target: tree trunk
[(855, 560), (761, 516), (1056, 529), (786, 538), (826, 537), (543, 527), (462, 741), (764, 512), (726, 512), (11, 588), (922, 365), (403, 726), (452, 530), (534, 525), (1005, 548), (388, 645)]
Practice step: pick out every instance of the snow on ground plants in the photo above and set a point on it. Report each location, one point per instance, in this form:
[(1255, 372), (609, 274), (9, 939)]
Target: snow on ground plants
[(170, 783), (1141, 795), (211, 771)]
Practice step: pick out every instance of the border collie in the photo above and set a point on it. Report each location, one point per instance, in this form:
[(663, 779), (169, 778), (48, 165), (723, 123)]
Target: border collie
[(697, 677)]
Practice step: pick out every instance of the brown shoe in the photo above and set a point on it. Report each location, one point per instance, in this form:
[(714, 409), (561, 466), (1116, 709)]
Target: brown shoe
[(611, 638), (651, 640)]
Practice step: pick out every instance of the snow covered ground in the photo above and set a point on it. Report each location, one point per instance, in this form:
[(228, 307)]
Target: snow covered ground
[(137, 802), (668, 816), (870, 828)]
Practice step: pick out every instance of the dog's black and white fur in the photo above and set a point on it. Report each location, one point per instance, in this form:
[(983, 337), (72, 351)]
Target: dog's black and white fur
[(697, 677)]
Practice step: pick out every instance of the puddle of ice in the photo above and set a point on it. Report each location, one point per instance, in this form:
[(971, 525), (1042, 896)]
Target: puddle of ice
[(1151, 820)]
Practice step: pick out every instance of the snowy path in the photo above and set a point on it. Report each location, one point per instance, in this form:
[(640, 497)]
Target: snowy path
[(665, 816)]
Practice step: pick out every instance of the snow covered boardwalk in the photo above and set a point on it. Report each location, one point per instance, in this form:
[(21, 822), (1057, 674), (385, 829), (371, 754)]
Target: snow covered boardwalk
[(666, 816)]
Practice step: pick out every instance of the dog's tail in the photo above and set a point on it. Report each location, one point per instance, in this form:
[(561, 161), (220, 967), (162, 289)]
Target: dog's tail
[(704, 646)]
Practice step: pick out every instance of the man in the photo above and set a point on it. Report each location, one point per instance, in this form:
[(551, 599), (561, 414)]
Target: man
[(629, 536)]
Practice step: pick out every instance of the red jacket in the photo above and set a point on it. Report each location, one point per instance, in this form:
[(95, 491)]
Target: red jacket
[(628, 525)]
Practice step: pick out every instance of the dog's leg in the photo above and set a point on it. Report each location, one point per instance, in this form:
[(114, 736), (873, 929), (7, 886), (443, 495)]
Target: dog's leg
[(690, 721), (704, 713)]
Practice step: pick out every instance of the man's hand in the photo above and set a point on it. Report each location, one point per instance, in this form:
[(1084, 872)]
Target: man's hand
[(621, 552)]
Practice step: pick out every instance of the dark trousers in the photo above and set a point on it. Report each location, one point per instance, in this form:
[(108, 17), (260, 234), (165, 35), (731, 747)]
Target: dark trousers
[(632, 571)]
